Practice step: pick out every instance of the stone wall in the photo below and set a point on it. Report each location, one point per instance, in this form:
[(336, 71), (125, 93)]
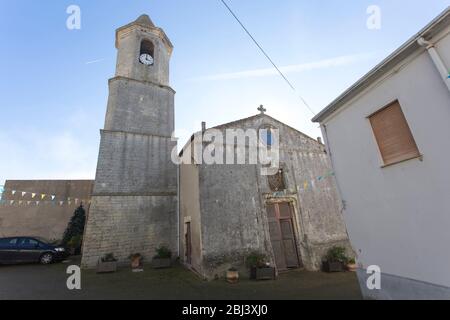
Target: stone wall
[(124, 225), (48, 219)]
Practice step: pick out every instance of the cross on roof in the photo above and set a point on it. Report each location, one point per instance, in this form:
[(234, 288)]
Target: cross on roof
[(262, 109)]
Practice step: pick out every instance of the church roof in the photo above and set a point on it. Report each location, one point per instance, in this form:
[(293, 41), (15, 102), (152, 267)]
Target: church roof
[(236, 122), (144, 20)]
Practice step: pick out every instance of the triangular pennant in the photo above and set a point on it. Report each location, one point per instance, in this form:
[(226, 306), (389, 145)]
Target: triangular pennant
[(11, 202), (23, 194), (20, 202), (37, 203), (33, 195), (61, 203), (43, 196), (13, 192), (69, 202), (53, 197)]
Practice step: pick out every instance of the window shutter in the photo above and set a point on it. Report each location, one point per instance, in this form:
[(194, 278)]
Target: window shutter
[(393, 135)]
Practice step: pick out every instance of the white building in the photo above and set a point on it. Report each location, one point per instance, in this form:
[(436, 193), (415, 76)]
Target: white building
[(389, 140)]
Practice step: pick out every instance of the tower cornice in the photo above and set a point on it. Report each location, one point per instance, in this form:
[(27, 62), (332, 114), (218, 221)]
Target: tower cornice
[(142, 81), (136, 25)]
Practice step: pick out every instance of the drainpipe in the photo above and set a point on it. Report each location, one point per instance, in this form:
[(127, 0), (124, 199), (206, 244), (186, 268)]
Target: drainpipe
[(444, 72), (178, 209)]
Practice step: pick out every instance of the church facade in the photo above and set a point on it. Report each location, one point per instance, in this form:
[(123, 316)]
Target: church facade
[(228, 211), (210, 215)]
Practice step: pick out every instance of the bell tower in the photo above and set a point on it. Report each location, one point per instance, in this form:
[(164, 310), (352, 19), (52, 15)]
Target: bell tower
[(133, 208)]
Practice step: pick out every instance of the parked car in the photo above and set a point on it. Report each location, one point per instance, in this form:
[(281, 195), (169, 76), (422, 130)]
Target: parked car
[(30, 249)]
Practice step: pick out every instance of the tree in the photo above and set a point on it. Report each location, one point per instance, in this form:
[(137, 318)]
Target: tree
[(75, 229)]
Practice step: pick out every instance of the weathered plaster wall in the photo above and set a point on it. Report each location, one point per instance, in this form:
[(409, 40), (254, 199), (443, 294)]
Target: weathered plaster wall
[(231, 216), (190, 212), (47, 220)]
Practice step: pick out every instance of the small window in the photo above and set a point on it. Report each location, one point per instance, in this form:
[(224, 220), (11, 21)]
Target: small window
[(266, 136), (28, 243), (393, 135)]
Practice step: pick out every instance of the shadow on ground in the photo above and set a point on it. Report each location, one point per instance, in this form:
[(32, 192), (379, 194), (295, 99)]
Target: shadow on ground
[(49, 282)]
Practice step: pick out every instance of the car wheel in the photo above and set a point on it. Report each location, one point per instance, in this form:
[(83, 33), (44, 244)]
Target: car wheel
[(46, 258)]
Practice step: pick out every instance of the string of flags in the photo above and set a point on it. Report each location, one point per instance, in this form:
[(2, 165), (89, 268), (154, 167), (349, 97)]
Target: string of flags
[(311, 184), (36, 199)]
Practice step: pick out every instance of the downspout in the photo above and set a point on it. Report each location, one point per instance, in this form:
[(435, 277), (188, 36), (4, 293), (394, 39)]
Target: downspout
[(444, 72), (178, 210)]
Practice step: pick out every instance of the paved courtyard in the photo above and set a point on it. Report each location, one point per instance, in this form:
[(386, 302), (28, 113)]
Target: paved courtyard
[(49, 282)]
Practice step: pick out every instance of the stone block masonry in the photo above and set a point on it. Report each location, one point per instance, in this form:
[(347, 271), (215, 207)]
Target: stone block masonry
[(124, 225)]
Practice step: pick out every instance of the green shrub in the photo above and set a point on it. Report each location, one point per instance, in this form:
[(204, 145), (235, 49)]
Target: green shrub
[(256, 260), (109, 257), (337, 254), (163, 253)]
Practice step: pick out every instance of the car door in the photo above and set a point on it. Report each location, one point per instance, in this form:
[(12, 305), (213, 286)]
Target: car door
[(29, 250), (3, 250), (8, 250)]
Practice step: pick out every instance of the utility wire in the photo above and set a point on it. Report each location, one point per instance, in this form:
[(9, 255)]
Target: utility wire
[(267, 56)]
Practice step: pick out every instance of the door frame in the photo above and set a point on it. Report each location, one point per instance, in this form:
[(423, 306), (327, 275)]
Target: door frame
[(292, 201), (188, 243)]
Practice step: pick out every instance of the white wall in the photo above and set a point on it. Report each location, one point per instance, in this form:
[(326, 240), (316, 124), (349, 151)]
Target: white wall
[(398, 217)]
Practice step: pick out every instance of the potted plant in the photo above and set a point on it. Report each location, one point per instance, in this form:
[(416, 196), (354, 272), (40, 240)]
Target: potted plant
[(260, 269), (137, 262), (335, 260), (162, 259), (107, 264), (351, 265), (232, 275)]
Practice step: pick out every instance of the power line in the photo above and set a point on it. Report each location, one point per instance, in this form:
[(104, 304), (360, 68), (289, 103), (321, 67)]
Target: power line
[(268, 57)]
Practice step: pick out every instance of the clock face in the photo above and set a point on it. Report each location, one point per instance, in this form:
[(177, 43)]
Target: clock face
[(146, 59)]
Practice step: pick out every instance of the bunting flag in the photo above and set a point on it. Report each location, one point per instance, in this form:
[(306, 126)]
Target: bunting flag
[(43, 196), (33, 195), (11, 202), (13, 192), (53, 197), (23, 194), (37, 203), (20, 202), (61, 203)]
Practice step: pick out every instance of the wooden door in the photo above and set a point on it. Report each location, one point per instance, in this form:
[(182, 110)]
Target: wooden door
[(188, 242), (282, 237)]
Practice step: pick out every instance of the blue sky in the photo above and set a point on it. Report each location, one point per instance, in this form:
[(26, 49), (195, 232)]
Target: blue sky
[(54, 84)]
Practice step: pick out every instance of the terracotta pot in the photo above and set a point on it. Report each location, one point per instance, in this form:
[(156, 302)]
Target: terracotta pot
[(232, 276), (136, 262), (352, 267)]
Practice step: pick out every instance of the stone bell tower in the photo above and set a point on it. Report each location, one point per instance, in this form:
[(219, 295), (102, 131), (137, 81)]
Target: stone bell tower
[(134, 202)]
